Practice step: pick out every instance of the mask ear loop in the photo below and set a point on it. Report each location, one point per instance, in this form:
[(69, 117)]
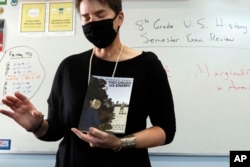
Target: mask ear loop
[(116, 16), (114, 19)]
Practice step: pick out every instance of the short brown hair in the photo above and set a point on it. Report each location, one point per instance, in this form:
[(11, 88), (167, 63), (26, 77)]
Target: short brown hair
[(115, 5)]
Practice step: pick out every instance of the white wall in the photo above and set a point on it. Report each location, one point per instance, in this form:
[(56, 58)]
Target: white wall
[(207, 77), (27, 160), (47, 160)]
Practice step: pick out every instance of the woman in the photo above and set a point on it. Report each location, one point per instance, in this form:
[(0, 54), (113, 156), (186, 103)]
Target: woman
[(150, 97)]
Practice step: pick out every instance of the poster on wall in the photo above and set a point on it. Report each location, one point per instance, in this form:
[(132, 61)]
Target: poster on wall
[(61, 17), (47, 19), (33, 17), (1, 34), (3, 2)]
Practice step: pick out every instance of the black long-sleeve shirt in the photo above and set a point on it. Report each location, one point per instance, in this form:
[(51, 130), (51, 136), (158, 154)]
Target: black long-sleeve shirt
[(151, 96)]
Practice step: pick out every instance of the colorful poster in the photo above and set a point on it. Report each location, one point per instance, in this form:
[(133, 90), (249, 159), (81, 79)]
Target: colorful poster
[(3, 2), (61, 16), (1, 34), (33, 17)]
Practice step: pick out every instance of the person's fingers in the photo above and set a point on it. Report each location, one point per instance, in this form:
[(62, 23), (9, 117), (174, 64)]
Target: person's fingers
[(10, 103), (6, 102), (7, 113), (80, 134), (21, 97), (97, 133), (23, 100), (11, 99)]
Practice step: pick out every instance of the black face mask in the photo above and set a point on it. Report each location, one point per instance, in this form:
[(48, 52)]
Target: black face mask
[(100, 33)]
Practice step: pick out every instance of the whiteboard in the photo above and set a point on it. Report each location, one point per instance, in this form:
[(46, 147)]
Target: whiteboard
[(204, 47)]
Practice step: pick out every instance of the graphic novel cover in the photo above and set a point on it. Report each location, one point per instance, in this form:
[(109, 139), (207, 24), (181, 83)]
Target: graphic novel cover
[(106, 104)]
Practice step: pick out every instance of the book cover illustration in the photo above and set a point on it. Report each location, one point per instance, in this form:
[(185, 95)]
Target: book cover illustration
[(106, 104)]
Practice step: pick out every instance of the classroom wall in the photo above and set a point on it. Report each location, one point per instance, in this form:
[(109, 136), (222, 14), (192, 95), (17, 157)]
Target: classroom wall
[(48, 160), (41, 160), (207, 77)]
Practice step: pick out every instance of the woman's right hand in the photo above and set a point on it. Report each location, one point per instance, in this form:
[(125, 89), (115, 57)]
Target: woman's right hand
[(23, 111)]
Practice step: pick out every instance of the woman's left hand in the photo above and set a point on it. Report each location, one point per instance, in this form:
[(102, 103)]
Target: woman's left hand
[(98, 138)]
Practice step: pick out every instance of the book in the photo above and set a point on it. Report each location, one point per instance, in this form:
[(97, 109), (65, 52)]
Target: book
[(106, 104)]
